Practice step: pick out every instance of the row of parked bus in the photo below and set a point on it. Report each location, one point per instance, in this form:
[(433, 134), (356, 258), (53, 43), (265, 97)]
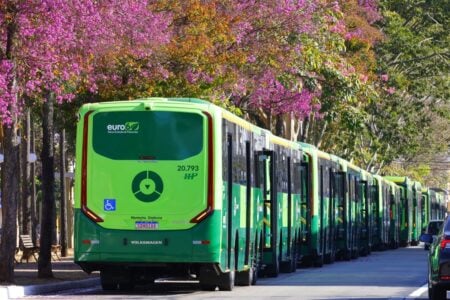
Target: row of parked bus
[(181, 187)]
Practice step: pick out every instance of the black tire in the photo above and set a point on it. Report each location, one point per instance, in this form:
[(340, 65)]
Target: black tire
[(318, 261), (226, 281), (109, 286), (254, 276), (272, 270), (355, 254), (207, 287), (106, 281), (244, 278), (126, 286), (332, 257), (347, 255), (437, 293)]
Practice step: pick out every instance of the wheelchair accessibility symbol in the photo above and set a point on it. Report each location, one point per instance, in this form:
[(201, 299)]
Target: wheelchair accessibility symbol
[(109, 204), (147, 186)]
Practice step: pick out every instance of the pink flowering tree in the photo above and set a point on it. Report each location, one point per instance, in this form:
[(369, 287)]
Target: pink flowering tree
[(271, 81), (49, 51)]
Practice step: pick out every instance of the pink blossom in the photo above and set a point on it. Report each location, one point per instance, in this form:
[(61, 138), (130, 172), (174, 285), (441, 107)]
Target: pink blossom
[(272, 95), (363, 78), (390, 90), (251, 58), (61, 45), (354, 34)]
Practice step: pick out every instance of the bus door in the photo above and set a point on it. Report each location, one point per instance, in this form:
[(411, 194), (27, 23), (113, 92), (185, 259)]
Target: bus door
[(364, 218), (323, 230), (339, 195), (305, 209), (230, 205), (266, 168), (332, 213)]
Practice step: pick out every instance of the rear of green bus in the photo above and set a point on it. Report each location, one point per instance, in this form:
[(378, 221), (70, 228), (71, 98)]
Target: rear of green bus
[(145, 190)]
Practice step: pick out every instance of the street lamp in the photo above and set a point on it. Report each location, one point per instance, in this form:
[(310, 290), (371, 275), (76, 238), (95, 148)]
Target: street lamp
[(31, 158)]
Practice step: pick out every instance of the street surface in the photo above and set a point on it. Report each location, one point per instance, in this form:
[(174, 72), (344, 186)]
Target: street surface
[(392, 274)]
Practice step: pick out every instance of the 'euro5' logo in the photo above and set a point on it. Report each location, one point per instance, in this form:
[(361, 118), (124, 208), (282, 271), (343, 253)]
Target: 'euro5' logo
[(128, 127), (132, 126)]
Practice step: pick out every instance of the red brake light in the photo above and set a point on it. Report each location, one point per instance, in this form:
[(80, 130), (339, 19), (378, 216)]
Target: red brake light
[(444, 243)]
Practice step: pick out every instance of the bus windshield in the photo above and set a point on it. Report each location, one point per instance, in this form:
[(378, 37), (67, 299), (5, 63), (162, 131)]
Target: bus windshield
[(152, 135)]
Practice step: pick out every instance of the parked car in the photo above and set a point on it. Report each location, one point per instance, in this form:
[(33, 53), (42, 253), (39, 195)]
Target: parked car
[(438, 262), (433, 229)]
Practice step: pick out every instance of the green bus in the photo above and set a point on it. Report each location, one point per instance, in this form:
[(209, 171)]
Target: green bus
[(438, 203), (367, 217), (320, 207), (417, 213), (394, 215), (381, 212), (407, 210), (180, 187)]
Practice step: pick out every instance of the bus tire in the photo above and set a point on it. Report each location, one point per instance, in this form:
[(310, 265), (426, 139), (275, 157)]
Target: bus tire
[(126, 286), (244, 278), (106, 281), (226, 281), (318, 261)]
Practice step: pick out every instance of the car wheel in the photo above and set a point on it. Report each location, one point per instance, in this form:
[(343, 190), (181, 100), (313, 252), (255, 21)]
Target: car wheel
[(437, 293)]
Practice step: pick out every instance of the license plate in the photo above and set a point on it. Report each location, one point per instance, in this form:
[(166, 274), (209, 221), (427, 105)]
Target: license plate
[(146, 225)]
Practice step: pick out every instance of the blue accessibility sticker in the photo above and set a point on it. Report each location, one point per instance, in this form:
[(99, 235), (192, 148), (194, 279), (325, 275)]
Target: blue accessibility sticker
[(109, 204)]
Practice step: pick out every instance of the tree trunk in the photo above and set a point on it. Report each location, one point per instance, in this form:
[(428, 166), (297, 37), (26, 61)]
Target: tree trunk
[(10, 186), (10, 169), (48, 199), (304, 130), (279, 126), (25, 184), (62, 171)]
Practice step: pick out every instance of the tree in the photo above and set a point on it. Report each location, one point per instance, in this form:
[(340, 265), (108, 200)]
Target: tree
[(50, 52), (415, 55)]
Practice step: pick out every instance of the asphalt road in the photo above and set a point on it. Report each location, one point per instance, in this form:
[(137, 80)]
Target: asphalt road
[(392, 274)]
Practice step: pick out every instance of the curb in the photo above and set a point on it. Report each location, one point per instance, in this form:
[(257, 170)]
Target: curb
[(17, 291)]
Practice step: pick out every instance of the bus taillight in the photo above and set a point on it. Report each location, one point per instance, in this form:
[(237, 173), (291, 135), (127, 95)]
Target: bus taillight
[(210, 187), (89, 213)]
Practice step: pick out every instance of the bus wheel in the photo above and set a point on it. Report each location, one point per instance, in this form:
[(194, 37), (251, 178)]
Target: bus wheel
[(273, 270), (208, 278), (126, 286), (109, 286), (226, 281), (347, 254), (254, 276), (318, 261), (245, 278), (207, 287), (106, 281)]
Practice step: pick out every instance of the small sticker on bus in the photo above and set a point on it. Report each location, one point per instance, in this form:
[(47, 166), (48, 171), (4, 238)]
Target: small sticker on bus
[(146, 225)]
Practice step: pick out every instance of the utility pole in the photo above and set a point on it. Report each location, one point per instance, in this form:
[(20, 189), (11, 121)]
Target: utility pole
[(35, 221)]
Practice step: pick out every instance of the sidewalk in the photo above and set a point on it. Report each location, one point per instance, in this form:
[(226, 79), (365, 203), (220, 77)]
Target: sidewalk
[(67, 275)]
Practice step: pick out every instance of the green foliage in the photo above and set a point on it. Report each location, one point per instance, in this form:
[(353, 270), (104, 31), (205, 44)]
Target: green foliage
[(415, 55)]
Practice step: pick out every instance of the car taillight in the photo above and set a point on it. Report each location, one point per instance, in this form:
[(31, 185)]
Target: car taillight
[(445, 243)]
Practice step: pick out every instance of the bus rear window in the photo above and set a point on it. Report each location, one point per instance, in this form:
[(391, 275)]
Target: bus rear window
[(153, 135)]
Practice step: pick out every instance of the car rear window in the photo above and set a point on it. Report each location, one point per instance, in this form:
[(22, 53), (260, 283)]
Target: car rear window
[(447, 225), (433, 227)]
